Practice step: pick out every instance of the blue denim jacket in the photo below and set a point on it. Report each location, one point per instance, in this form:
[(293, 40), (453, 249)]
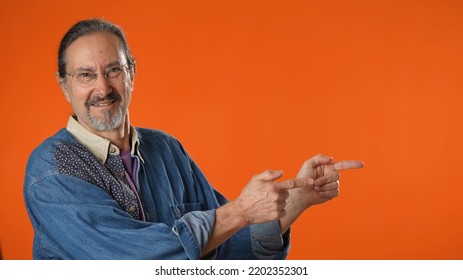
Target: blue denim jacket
[(77, 214)]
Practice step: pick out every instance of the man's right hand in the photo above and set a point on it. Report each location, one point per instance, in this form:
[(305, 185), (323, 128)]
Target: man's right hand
[(264, 199)]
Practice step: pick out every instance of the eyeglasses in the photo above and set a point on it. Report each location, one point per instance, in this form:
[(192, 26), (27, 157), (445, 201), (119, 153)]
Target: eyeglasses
[(86, 78)]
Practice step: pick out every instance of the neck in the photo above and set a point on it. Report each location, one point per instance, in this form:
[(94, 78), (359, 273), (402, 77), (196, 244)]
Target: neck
[(120, 137)]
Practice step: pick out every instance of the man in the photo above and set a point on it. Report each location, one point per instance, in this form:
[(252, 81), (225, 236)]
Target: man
[(103, 189)]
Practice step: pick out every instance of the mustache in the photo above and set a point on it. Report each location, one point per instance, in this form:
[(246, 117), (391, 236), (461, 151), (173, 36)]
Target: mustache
[(112, 96)]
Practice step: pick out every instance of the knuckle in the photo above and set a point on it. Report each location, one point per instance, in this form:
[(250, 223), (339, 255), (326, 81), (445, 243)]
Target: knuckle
[(275, 197), (307, 163), (283, 204), (285, 195), (291, 184), (283, 213)]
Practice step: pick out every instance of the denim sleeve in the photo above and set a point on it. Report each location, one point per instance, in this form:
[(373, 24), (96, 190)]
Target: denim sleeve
[(267, 241), (194, 229), (75, 220)]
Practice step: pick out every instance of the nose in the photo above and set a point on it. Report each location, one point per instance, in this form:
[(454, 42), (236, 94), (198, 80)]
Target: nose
[(102, 85)]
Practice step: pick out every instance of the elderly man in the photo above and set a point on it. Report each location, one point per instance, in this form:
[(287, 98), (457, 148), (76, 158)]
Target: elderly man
[(103, 189)]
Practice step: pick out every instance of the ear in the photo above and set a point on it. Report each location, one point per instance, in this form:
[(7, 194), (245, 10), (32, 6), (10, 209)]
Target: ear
[(63, 85), (132, 75)]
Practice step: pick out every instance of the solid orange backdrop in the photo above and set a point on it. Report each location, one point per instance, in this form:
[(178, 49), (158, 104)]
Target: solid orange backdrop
[(252, 85)]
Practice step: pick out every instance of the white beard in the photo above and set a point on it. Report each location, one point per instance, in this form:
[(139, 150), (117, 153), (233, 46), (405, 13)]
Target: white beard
[(109, 123)]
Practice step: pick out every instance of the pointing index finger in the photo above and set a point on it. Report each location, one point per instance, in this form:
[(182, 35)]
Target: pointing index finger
[(295, 183), (348, 164)]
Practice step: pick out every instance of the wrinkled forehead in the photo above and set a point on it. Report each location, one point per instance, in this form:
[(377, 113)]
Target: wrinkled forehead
[(95, 50)]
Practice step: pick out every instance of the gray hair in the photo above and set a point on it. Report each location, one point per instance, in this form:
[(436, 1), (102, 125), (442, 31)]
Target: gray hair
[(86, 27)]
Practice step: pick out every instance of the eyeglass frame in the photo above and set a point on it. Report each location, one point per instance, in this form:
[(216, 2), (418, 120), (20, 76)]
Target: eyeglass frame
[(124, 67)]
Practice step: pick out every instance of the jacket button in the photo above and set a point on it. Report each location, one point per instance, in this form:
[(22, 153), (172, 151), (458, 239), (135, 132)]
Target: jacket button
[(112, 150)]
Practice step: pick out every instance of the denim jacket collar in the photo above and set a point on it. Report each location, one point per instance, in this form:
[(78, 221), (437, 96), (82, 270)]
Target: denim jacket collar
[(99, 146)]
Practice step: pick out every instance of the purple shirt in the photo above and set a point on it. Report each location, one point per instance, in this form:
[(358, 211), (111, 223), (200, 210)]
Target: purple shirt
[(130, 166)]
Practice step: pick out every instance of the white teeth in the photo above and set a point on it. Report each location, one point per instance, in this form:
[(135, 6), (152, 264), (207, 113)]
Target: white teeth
[(102, 104)]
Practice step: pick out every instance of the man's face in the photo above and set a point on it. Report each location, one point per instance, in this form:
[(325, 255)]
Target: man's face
[(102, 106)]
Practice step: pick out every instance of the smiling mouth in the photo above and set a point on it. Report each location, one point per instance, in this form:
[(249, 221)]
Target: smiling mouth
[(100, 102), (103, 104)]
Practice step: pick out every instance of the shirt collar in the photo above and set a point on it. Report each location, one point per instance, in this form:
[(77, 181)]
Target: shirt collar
[(100, 147)]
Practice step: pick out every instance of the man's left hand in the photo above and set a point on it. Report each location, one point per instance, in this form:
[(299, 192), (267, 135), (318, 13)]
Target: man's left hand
[(325, 174)]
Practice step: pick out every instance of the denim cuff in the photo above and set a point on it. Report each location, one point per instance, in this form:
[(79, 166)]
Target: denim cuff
[(194, 230), (267, 242)]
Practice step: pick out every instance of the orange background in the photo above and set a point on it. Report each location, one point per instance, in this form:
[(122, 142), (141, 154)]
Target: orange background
[(251, 85)]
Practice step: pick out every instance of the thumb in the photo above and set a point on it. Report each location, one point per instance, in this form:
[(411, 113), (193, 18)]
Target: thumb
[(269, 175), (318, 160)]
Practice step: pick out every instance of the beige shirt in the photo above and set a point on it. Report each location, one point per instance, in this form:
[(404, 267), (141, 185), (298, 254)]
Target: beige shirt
[(99, 146)]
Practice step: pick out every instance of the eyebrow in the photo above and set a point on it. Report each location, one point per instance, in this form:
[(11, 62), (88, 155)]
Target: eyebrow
[(89, 68)]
